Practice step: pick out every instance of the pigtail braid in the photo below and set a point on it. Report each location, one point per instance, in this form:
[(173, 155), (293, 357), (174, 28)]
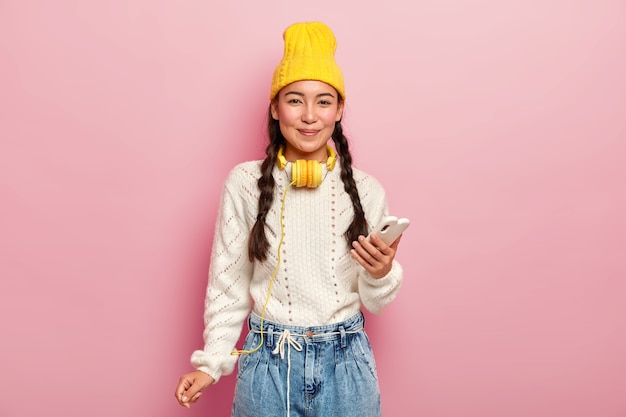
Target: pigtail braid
[(258, 245), (359, 224)]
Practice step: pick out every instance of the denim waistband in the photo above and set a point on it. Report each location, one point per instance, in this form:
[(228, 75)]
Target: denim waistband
[(326, 332)]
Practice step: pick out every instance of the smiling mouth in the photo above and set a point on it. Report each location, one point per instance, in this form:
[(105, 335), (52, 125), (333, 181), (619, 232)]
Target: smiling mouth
[(308, 132)]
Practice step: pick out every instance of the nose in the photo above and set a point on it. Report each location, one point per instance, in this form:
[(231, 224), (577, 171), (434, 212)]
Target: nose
[(309, 116)]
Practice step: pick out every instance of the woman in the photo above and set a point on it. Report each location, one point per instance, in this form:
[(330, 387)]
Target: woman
[(290, 255)]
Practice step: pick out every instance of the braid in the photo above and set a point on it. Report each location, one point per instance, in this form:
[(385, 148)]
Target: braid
[(358, 225), (258, 245)]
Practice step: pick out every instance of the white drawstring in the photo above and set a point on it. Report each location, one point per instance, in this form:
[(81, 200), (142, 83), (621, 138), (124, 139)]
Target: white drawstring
[(285, 337)]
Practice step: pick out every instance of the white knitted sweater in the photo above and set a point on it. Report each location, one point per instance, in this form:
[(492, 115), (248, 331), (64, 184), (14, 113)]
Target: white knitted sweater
[(317, 283)]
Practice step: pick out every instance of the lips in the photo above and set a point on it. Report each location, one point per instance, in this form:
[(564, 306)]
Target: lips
[(306, 132)]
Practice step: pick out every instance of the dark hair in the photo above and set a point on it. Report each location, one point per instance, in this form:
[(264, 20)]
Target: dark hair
[(258, 245)]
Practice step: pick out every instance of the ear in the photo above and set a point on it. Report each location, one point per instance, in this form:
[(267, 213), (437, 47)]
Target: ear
[(274, 108), (340, 107)]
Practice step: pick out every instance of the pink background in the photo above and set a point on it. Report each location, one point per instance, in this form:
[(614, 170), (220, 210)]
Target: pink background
[(498, 127)]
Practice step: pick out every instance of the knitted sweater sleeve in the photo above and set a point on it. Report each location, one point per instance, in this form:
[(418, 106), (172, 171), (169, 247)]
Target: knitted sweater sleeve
[(227, 301), (375, 293)]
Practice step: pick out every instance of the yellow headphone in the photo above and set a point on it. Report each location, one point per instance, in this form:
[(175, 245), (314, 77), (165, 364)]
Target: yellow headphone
[(307, 173)]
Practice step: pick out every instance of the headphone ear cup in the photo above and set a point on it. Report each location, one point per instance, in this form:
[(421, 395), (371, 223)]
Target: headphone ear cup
[(306, 173), (299, 172), (314, 174)]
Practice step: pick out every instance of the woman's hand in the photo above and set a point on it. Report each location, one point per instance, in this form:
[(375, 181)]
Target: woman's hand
[(374, 255), (190, 387)]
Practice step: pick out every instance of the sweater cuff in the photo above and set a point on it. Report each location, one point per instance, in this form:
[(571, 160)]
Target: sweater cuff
[(212, 367), (213, 374), (395, 271)]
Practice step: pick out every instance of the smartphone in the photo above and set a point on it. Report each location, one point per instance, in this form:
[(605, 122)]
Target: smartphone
[(390, 228)]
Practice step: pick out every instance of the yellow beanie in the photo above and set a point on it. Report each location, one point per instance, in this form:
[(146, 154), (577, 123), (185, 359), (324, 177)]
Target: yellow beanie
[(309, 55)]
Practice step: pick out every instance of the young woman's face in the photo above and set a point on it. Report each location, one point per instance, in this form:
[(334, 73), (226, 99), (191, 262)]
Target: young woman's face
[(306, 112)]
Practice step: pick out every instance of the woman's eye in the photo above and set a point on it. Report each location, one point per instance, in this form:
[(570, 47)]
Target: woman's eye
[(294, 101), (325, 103)]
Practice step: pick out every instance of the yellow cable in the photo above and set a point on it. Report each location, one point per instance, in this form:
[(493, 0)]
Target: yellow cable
[(269, 289)]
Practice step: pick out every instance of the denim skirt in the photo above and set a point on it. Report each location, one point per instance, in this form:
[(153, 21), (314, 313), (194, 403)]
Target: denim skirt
[(319, 371)]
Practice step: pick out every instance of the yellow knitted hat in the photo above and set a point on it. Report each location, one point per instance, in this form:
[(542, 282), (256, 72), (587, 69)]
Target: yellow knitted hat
[(309, 55)]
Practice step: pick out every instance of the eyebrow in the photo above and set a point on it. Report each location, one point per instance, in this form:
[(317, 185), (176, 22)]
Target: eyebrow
[(317, 96)]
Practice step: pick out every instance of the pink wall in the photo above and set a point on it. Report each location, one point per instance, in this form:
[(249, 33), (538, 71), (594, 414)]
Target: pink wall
[(497, 127)]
